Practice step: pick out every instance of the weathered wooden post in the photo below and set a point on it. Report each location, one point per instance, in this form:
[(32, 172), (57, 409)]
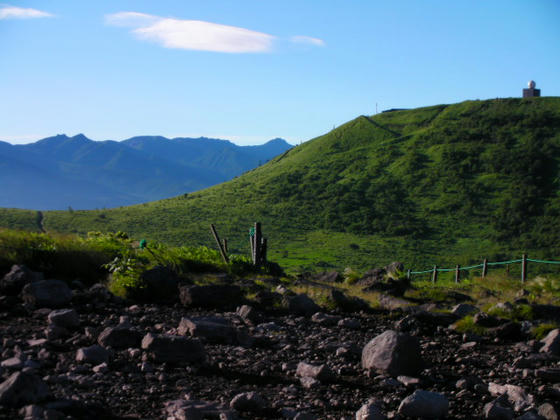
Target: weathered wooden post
[(217, 238), (434, 274), (457, 273), (408, 274), (523, 268), (252, 243), (257, 244), (264, 250), (484, 268)]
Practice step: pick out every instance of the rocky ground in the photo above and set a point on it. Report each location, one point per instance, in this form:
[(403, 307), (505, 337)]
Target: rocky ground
[(83, 353)]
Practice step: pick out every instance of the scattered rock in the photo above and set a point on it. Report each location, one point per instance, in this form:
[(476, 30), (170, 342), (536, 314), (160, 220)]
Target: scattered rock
[(391, 303), (549, 374), (121, 336), (212, 329), (464, 309), (498, 411), (170, 348), (13, 282), (325, 319), (515, 395), (350, 323), (213, 296), (370, 411), (327, 277), (161, 283), (347, 303), (196, 410), (301, 305), (65, 318), (319, 372), (551, 343), (248, 402), (394, 353), (249, 315), (94, 355), (425, 404), (485, 320), (22, 388), (47, 294), (548, 411)]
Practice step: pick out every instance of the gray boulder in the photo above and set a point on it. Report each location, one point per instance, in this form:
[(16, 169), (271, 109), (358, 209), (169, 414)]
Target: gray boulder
[(161, 283), (94, 355), (319, 372), (47, 294), (393, 353), (395, 268), (13, 282), (301, 305), (347, 303), (213, 329), (464, 309), (248, 402), (425, 404), (551, 343), (22, 388), (325, 319), (174, 349), (497, 410), (548, 411), (213, 296), (485, 320), (196, 410), (249, 315), (65, 318), (370, 411), (514, 394), (121, 336)]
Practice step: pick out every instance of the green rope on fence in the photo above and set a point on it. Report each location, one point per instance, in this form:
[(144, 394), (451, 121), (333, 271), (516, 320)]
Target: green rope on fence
[(543, 261), (422, 272), (447, 270), (472, 266)]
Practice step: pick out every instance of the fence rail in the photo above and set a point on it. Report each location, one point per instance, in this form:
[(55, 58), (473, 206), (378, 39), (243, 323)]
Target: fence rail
[(523, 260)]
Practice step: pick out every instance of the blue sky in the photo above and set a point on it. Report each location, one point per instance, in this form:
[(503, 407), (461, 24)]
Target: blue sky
[(252, 70)]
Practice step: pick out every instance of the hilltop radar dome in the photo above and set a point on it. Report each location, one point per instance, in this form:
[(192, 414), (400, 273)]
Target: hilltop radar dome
[(531, 92)]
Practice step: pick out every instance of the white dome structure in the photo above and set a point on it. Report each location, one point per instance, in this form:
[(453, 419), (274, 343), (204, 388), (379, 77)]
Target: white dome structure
[(531, 84)]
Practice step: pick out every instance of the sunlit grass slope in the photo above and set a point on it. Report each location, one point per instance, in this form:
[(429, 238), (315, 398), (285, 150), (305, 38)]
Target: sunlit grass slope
[(444, 184)]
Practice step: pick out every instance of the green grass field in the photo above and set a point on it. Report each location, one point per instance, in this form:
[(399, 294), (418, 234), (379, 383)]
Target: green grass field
[(445, 185)]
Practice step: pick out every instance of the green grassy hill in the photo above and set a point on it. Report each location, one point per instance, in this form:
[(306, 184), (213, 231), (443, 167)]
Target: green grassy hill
[(444, 184)]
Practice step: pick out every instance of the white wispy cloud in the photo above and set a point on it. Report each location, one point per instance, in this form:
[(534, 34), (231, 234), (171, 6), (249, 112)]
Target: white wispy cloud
[(302, 39), (13, 12), (192, 34)]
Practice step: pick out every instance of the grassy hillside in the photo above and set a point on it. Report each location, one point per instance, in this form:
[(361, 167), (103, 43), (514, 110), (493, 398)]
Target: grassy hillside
[(444, 184)]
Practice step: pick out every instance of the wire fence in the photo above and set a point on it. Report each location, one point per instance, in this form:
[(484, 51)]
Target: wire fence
[(484, 266)]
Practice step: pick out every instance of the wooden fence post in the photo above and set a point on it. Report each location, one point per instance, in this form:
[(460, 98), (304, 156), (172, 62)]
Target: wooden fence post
[(408, 274), (484, 268), (434, 274), (257, 245), (457, 273), (264, 250), (523, 268), (217, 238)]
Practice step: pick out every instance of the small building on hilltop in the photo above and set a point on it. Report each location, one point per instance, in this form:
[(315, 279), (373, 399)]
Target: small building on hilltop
[(531, 92)]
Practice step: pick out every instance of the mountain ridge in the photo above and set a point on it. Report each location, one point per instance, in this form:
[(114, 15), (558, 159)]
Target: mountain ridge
[(98, 174), (445, 184)]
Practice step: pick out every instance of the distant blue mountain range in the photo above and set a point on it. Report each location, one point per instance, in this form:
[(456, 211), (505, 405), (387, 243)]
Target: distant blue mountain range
[(61, 172)]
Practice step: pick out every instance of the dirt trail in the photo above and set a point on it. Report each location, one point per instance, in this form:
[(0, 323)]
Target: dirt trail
[(40, 219)]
